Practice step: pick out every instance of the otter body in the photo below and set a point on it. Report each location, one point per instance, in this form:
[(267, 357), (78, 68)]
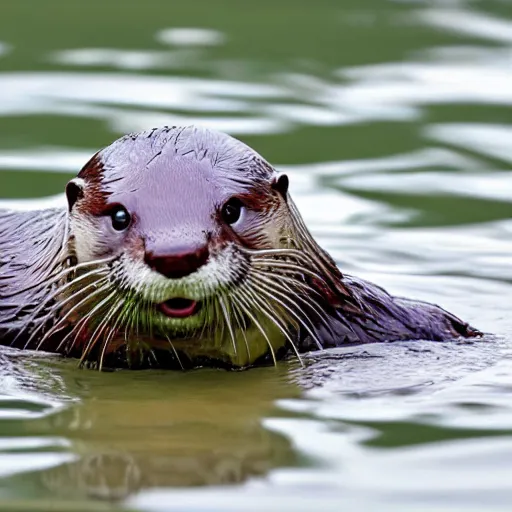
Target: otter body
[(184, 244)]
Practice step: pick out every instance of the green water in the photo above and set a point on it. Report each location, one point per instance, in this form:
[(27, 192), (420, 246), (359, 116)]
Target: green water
[(393, 121)]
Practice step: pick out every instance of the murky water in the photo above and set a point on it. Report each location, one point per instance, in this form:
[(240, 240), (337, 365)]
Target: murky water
[(393, 120)]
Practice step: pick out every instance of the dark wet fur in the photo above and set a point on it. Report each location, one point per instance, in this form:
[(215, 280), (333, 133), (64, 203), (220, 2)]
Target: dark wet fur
[(30, 245), (383, 317), (355, 311)]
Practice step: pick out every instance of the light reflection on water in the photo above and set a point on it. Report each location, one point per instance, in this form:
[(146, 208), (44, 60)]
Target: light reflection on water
[(417, 200), (391, 91)]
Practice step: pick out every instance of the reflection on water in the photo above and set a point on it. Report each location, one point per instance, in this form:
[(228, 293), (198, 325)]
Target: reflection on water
[(136, 430), (392, 120)]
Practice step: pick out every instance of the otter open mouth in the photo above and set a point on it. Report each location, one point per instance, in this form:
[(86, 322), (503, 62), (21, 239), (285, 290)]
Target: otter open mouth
[(178, 307)]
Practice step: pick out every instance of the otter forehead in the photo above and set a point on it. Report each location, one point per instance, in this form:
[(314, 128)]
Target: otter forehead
[(175, 173), (170, 190), (221, 159)]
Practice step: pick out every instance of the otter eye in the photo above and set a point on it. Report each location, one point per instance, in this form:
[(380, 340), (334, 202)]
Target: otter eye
[(232, 210), (120, 218)]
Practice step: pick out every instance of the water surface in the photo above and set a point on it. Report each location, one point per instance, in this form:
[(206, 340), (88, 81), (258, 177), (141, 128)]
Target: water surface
[(392, 120)]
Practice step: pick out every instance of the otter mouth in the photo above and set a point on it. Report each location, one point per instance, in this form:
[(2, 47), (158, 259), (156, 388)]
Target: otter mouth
[(178, 307)]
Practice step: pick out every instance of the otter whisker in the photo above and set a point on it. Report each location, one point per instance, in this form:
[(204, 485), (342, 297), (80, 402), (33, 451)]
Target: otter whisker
[(112, 331), (287, 302), (56, 278), (128, 307), (106, 343), (293, 257), (151, 353), (240, 320), (128, 330), (288, 253), (311, 303), (135, 328), (288, 283), (175, 352), (207, 307), (246, 308), (267, 311), (213, 319), (102, 324), (132, 335), (61, 321), (217, 326), (149, 329), (82, 321), (270, 293), (225, 312), (288, 278), (127, 314), (59, 305), (207, 323), (57, 292), (295, 269), (77, 328)]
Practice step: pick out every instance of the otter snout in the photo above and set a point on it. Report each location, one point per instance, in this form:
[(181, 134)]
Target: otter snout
[(179, 261)]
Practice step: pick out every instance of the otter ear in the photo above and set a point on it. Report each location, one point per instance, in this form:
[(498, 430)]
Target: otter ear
[(74, 191), (281, 184)]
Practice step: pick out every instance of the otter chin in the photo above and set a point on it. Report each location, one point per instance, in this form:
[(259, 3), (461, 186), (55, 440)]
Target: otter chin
[(182, 246)]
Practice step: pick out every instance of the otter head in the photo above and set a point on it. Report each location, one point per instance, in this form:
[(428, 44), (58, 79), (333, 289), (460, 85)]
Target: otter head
[(187, 239)]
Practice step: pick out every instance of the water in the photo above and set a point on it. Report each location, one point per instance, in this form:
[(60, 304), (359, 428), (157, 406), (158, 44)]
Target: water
[(392, 120)]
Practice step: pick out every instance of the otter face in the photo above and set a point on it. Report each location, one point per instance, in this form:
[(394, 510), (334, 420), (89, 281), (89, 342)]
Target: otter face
[(178, 215)]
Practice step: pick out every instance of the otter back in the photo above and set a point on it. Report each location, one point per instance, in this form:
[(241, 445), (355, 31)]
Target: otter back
[(30, 244)]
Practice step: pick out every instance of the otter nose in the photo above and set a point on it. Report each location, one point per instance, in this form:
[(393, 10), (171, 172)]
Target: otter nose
[(179, 262)]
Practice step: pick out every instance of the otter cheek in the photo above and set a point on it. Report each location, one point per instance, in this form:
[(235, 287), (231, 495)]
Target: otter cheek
[(93, 239), (263, 234), (85, 236)]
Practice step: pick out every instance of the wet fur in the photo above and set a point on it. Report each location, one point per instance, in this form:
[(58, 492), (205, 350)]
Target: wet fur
[(36, 245), (31, 248)]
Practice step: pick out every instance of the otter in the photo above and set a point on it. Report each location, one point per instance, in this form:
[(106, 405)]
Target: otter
[(183, 244)]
